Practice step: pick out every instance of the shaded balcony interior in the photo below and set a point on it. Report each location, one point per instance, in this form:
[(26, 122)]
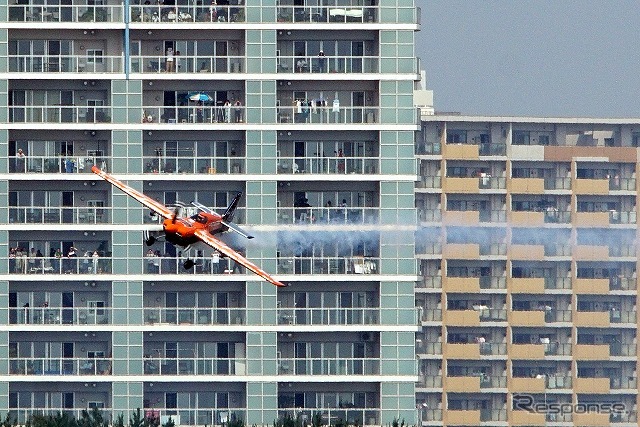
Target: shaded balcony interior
[(490, 308), (171, 193), (328, 152), (620, 342), (333, 11), (620, 209), (618, 242), (345, 52), (487, 407), (557, 374), (556, 308), (35, 11), (554, 209), (489, 175), (556, 341), (617, 308), (332, 306), (170, 101), (310, 102), (324, 202), (495, 341), (59, 101), (556, 275), (429, 207), (619, 176), (309, 252), (556, 175), (428, 241), (489, 274), (489, 208), (37, 303), (200, 153), (620, 375), (491, 374), (57, 151), (491, 138), (618, 275), (475, 241), (194, 303), (189, 11), (211, 51), (554, 242), (81, 203)]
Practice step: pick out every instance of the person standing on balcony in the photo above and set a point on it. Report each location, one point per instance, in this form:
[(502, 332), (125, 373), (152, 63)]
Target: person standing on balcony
[(321, 61), (238, 111), (21, 161), (169, 61)]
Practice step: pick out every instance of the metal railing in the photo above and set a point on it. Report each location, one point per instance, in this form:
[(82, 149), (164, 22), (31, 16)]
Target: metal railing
[(188, 64), (329, 366), (59, 265), (337, 215), (429, 148), (328, 64), (348, 413), (329, 165), (59, 366), (487, 248), (430, 381), (431, 315), (492, 182), (430, 248), (554, 216), (495, 349), (622, 217), (329, 14), (558, 249), (58, 114), (430, 215), (557, 282), (66, 64), (492, 149), (56, 164), (194, 316), (66, 13), (428, 347), (191, 366), (493, 414), (493, 282), (328, 265), (429, 182), (328, 113), (431, 282), (626, 184), (618, 283), (557, 349), (555, 382), (60, 315), (328, 316), (557, 183), (59, 215), (493, 215), (193, 164)]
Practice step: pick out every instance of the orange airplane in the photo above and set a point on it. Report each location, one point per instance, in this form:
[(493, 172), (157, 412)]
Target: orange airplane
[(198, 228)]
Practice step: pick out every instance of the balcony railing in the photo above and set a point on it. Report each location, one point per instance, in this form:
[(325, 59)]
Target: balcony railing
[(555, 382), (492, 149), (557, 183), (431, 282), (66, 13), (58, 114), (328, 64), (428, 248), (430, 215), (193, 164), (495, 349), (66, 64), (430, 381), (62, 265), (557, 282), (329, 165), (337, 215), (622, 217), (329, 366), (487, 414), (492, 182), (328, 114), (626, 184), (423, 347), (58, 215), (328, 316), (59, 366), (350, 414), (59, 315), (328, 265), (557, 349), (188, 64), (194, 316), (493, 282), (429, 182), (191, 366), (56, 164), (328, 14), (428, 148), (154, 13)]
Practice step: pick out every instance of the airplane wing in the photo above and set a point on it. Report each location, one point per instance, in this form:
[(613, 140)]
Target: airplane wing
[(227, 251), (154, 205)]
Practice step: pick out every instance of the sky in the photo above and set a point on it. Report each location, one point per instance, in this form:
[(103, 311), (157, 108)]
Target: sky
[(541, 58)]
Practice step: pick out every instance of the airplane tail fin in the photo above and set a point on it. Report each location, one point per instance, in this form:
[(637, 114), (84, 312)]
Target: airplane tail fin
[(231, 210)]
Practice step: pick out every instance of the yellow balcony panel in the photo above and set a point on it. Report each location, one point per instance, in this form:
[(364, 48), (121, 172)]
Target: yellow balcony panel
[(462, 418), (592, 385), (462, 217), (591, 186), (591, 253), (526, 285), (461, 251), (593, 319), (591, 419), (463, 384), (462, 351), (526, 185), (526, 351), (527, 218), (461, 284), (525, 418), (591, 352), (526, 318), (591, 286), (592, 219), (527, 252), (461, 151), (461, 318), (527, 385), (461, 185)]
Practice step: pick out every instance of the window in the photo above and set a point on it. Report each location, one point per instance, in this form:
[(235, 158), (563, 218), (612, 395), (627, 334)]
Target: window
[(98, 405), (521, 137), (94, 56)]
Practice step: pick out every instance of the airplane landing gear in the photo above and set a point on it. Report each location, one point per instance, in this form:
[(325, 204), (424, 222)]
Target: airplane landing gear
[(188, 264)]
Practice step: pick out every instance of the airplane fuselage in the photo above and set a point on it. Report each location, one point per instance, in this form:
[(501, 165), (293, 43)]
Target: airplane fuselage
[(182, 231)]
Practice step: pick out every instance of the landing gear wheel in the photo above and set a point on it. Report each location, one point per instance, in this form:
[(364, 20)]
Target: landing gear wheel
[(150, 240), (188, 264)]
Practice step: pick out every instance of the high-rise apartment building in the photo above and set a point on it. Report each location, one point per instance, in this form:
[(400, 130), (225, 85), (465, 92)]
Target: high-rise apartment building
[(528, 252), (306, 107)]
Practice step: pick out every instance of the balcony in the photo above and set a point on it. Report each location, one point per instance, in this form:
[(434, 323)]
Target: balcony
[(197, 415), (527, 252), (527, 351), (557, 183), (329, 316), (527, 285), (592, 385), (58, 215), (194, 316), (62, 265), (194, 165), (526, 186), (428, 348), (591, 286), (341, 64), (60, 315), (334, 14), (58, 114), (591, 352), (604, 219), (328, 366), (328, 165), (61, 366), (328, 265), (527, 385), (594, 319), (456, 417), (188, 13), (193, 366), (186, 64), (591, 186), (66, 13), (525, 418), (591, 419), (56, 164), (328, 114), (66, 64)]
